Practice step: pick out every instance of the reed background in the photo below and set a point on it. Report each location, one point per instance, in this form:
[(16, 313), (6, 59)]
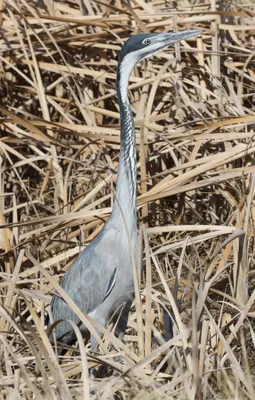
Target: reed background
[(59, 149)]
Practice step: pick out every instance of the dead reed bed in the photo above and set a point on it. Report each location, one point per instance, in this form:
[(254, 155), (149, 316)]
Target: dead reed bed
[(192, 335)]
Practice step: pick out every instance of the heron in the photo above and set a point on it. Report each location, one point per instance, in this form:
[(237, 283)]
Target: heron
[(100, 281)]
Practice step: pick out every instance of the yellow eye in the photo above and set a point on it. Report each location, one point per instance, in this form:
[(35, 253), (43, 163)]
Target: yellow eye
[(147, 41)]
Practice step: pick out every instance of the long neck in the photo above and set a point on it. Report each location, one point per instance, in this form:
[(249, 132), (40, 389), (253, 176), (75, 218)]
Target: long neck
[(125, 202)]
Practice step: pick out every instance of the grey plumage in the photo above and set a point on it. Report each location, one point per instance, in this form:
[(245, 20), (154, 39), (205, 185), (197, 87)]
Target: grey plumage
[(101, 278)]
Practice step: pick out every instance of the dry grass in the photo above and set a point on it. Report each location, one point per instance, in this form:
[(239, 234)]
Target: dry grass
[(195, 115)]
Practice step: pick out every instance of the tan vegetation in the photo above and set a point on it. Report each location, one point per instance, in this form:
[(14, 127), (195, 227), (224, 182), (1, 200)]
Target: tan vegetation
[(59, 148)]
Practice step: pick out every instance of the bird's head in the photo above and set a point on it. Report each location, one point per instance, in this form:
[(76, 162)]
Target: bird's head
[(143, 45), (138, 47)]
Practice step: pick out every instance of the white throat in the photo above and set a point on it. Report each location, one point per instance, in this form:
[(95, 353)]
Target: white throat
[(128, 63)]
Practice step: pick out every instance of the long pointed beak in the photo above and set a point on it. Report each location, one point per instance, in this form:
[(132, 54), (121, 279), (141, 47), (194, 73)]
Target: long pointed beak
[(177, 36)]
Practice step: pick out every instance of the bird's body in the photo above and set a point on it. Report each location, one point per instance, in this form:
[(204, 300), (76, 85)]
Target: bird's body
[(101, 299), (101, 278)]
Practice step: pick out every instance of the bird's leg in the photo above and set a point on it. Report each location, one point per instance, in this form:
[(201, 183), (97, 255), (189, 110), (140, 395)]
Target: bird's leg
[(96, 372), (123, 320), (121, 324), (94, 342)]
